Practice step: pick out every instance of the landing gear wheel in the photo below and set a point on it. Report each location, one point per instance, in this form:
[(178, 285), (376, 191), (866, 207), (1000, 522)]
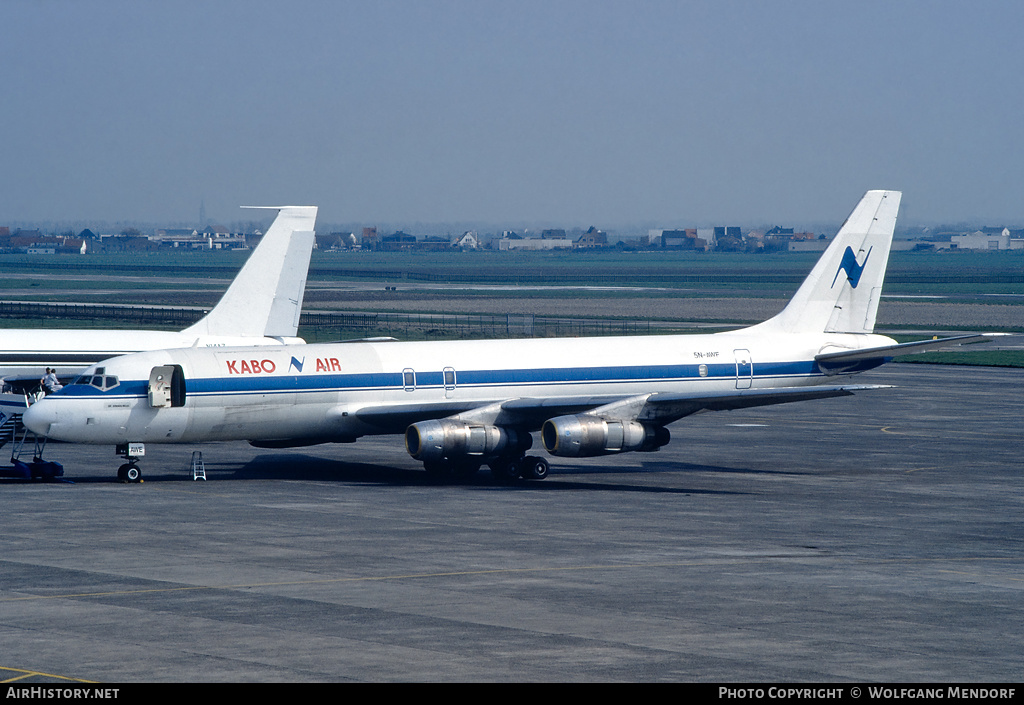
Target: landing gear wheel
[(504, 469), (451, 470), (129, 472), (534, 467), (464, 470), (436, 471)]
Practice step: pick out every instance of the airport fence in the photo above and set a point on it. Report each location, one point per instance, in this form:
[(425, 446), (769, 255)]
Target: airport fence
[(337, 325), (125, 315)]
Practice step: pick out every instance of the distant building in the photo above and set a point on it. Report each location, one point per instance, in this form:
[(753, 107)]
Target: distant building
[(178, 237), (990, 241), (688, 239), (788, 240), (336, 241), (110, 243), (683, 240), (819, 245), (433, 243), (397, 241), (217, 237), (467, 241), (33, 242), (515, 242), (214, 237), (592, 238)]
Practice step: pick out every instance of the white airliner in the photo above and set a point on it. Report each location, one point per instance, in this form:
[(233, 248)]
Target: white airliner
[(462, 404), (260, 307)]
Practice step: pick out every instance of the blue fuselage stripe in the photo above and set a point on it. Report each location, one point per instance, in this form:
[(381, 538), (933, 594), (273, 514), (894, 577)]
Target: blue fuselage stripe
[(341, 382)]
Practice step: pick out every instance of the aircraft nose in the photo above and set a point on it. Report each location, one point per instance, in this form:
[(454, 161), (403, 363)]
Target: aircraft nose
[(39, 417)]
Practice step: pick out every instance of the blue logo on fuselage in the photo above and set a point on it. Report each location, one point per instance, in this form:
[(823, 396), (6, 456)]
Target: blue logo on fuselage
[(853, 270), (297, 364)]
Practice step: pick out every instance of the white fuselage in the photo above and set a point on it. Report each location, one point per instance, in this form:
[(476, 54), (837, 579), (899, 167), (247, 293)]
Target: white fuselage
[(317, 392)]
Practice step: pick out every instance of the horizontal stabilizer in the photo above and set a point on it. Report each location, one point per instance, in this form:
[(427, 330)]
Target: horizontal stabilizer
[(666, 408), (833, 361)]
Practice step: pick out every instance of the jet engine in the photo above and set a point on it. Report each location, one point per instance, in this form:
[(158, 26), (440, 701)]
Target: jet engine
[(584, 436), (448, 439)]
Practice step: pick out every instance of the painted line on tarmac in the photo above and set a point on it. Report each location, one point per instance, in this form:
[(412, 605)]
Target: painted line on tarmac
[(23, 674), (465, 573)]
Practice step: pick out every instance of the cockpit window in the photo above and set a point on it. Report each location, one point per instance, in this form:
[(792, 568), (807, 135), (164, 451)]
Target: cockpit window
[(98, 379)]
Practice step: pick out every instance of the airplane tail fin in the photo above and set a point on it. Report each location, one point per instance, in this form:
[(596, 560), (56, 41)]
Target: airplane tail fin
[(842, 291), (265, 299)]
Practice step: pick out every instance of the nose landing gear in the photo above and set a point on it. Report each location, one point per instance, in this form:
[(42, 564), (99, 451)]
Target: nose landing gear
[(130, 471)]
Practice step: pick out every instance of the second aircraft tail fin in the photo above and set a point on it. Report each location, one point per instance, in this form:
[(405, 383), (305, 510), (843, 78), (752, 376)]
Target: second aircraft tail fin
[(265, 298), (842, 291)]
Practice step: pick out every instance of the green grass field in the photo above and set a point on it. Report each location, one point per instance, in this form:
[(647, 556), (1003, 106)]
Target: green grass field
[(987, 358)]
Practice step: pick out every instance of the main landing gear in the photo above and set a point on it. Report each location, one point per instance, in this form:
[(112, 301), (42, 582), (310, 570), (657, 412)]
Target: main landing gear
[(527, 467), (504, 469), (130, 471)]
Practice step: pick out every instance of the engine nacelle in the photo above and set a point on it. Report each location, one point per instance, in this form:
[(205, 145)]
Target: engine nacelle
[(448, 439), (584, 436)]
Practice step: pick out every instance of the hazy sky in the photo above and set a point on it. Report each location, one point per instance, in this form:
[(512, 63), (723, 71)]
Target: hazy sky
[(571, 113)]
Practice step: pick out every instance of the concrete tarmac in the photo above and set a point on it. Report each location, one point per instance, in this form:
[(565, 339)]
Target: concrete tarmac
[(871, 538)]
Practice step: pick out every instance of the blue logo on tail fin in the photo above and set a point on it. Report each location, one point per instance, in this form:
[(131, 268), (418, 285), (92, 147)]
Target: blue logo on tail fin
[(853, 270)]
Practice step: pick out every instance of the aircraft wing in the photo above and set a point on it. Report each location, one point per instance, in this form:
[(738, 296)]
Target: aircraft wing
[(843, 359), (665, 408), (523, 412), (661, 408)]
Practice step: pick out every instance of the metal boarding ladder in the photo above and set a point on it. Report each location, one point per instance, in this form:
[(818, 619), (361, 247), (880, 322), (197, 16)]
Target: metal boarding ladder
[(10, 426), (198, 469), (12, 406)]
